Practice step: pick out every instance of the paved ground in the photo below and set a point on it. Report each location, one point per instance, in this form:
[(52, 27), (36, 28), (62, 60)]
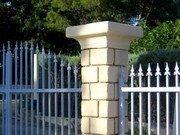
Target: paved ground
[(35, 129)]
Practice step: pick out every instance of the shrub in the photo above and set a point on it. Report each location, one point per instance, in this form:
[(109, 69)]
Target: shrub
[(144, 130), (160, 56), (164, 36), (73, 60)]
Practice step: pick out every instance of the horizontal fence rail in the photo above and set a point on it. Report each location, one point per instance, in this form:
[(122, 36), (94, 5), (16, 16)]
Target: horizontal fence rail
[(153, 103), (39, 95)]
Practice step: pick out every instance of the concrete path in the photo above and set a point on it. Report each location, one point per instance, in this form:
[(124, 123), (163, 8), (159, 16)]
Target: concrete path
[(35, 130)]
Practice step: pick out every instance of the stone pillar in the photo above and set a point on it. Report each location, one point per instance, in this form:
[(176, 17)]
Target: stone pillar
[(104, 48)]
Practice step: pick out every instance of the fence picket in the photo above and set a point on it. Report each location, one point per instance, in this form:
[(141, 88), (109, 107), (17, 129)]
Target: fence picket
[(176, 74), (8, 95), (62, 97), (49, 86), (132, 74), (158, 74), (21, 84), (32, 86), (167, 74), (26, 86), (149, 74), (140, 74), (16, 82), (43, 94), (69, 99), (55, 86), (37, 86), (76, 99)]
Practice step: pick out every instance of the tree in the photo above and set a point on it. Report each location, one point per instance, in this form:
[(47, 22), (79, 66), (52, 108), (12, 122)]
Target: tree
[(166, 35), (155, 12), (13, 15), (45, 21)]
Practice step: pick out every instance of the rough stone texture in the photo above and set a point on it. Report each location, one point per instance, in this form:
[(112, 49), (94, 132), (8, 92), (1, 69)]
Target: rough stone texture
[(89, 74), (85, 57), (116, 125), (116, 91), (102, 126), (126, 126), (102, 56), (108, 73), (85, 91), (102, 91), (89, 108), (126, 75), (108, 109), (121, 57), (85, 125)]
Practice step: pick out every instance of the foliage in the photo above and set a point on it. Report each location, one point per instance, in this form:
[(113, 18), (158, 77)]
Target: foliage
[(154, 12), (144, 130), (161, 56), (132, 59), (85, 11), (45, 21), (165, 36), (67, 59)]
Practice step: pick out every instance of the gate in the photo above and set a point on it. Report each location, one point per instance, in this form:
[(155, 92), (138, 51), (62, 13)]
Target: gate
[(34, 96), (153, 103)]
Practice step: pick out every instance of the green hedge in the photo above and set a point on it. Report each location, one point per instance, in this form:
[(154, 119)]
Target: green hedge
[(161, 56), (73, 60)]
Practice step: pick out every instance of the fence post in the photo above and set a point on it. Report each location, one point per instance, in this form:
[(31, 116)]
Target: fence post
[(104, 48)]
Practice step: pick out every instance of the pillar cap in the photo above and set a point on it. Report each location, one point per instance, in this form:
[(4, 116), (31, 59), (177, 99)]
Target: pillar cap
[(104, 34), (101, 28)]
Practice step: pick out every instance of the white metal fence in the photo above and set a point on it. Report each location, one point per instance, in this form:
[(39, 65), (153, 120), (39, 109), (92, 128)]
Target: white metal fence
[(153, 102), (22, 113)]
